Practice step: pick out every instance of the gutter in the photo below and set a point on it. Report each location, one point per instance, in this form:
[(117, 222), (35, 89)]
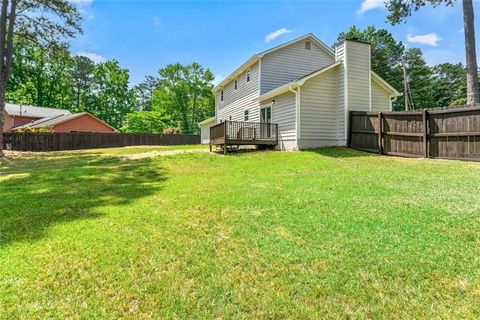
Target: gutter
[(297, 112)]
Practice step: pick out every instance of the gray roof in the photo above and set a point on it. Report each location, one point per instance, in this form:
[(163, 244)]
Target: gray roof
[(49, 121), (31, 111), (53, 121)]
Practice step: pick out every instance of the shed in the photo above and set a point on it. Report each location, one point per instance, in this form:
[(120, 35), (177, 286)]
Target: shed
[(205, 129)]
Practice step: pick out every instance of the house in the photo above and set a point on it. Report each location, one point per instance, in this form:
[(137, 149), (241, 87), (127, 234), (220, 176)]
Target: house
[(205, 129), (16, 115), (20, 117), (298, 95)]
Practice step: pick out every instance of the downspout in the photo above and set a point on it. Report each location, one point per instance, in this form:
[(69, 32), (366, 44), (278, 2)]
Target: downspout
[(297, 115)]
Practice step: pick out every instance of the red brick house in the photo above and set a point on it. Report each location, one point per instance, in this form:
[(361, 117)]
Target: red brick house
[(18, 117)]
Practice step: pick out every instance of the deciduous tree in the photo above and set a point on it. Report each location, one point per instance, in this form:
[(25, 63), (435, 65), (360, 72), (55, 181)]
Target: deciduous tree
[(40, 21)]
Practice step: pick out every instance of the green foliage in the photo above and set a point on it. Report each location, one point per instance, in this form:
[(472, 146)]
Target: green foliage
[(82, 81), (399, 10), (52, 77), (144, 93), (449, 86), (146, 121), (186, 94), (41, 76), (112, 99), (420, 80)]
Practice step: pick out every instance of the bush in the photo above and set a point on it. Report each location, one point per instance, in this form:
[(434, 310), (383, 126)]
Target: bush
[(145, 122)]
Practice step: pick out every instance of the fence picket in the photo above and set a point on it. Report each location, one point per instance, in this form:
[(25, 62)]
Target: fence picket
[(444, 133), (57, 141)]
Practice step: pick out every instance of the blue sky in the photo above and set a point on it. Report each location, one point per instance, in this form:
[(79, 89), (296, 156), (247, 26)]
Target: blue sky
[(147, 35)]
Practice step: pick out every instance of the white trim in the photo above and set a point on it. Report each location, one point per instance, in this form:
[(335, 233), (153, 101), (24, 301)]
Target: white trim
[(259, 76), (370, 78), (308, 35), (255, 58), (345, 89), (299, 104), (211, 119), (296, 116), (297, 83), (248, 64), (384, 84)]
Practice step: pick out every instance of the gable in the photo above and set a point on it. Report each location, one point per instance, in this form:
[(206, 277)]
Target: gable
[(85, 123), (292, 61)]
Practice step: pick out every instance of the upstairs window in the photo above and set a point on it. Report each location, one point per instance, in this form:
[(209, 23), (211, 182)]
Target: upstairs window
[(221, 95), (245, 115), (236, 84), (248, 75), (308, 45)]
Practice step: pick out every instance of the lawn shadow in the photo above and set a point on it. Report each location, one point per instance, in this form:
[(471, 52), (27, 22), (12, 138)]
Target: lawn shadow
[(37, 193), (340, 152)]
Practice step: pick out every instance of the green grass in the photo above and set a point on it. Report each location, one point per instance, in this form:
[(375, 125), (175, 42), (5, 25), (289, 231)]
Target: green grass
[(327, 233)]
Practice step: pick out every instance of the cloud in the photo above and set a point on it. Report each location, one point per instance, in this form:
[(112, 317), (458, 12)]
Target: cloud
[(92, 56), (461, 30), (218, 78), (370, 5), (430, 39), (274, 35)]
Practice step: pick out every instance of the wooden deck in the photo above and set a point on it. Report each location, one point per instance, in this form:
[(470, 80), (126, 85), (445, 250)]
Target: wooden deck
[(236, 133)]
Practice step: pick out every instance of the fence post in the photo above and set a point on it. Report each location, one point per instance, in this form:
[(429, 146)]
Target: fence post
[(349, 129), (425, 134), (380, 130)]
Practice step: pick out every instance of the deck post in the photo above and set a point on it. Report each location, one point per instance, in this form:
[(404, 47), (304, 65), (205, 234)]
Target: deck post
[(225, 138), (210, 147)]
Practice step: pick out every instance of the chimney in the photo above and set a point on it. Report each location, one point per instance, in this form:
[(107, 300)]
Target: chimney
[(356, 75)]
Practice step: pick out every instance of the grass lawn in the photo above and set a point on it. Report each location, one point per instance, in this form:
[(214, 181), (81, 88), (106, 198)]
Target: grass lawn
[(327, 233)]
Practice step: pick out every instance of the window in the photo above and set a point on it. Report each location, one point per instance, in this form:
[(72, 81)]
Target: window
[(248, 75), (308, 45), (245, 115), (221, 95), (236, 84)]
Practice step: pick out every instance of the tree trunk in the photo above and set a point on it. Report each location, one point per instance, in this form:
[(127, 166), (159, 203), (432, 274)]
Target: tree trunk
[(471, 56), (2, 115)]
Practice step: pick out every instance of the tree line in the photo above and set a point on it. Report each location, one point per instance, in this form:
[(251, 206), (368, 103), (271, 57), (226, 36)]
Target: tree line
[(176, 99)]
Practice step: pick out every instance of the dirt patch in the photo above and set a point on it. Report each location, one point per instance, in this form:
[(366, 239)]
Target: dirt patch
[(154, 154)]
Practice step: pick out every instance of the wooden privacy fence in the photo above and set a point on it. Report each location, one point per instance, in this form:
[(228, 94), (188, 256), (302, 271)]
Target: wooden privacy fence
[(443, 133), (56, 141)]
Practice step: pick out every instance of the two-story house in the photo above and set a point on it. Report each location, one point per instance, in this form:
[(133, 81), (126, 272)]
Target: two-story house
[(306, 88)]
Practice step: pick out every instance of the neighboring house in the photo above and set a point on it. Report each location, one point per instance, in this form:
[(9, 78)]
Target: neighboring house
[(16, 115), (19, 117), (205, 129), (307, 89)]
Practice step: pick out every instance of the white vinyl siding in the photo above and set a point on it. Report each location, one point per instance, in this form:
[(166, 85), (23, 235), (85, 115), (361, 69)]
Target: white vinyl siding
[(320, 111), (283, 114), (380, 98), (235, 102), (290, 63), (358, 73)]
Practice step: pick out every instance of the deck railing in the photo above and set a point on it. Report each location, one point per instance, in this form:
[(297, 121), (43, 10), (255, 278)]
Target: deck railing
[(240, 132)]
